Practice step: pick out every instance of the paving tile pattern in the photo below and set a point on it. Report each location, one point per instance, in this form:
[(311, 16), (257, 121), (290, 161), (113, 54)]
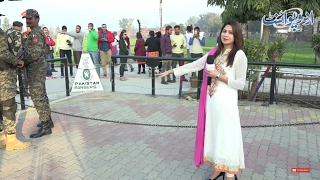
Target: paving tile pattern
[(90, 149)]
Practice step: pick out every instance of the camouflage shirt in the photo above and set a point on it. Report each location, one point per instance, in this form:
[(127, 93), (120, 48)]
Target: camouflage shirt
[(8, 77), (14, 38), (36, 46)]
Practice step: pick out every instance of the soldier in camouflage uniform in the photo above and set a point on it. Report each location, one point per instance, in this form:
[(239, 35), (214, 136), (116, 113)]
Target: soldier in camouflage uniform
[(8, 79), (14, 42), (15, 46), (14, 34), (37, 68), (14, 37)]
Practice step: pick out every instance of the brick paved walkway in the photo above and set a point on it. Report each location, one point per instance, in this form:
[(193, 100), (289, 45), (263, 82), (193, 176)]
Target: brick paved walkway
[(90, 149)]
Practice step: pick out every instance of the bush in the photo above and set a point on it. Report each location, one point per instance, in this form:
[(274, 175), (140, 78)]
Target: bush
[(316, 44), (254, 49), (277, 48)]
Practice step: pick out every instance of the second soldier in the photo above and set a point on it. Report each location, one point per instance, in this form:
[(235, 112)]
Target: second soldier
[(36, 68)]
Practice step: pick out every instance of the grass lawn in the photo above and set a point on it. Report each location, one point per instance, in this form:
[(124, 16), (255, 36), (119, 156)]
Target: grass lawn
[(294, 54), (298, 54)]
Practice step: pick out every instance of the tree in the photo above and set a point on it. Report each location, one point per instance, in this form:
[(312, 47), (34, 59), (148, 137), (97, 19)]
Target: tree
[(254, 10), (156, 28), (58, 30), (183, 28), (42, 26), (126, 24), (210, 23), (145, 32), (172, 24), (52, 32), (254, 26), (6, 24), (193, 20)]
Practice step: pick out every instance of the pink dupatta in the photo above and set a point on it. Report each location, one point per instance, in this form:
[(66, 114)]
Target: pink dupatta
[(199, 146)]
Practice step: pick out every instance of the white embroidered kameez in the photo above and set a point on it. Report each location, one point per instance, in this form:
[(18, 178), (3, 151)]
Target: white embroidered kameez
[(223, 144)]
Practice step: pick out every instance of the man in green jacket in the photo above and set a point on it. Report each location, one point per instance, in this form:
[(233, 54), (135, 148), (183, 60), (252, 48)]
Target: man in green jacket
[(92, 47)]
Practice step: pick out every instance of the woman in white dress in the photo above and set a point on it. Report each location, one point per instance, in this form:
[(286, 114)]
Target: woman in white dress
[(222, 145)]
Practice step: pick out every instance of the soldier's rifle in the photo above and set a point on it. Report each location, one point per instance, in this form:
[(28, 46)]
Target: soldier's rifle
[(23, 71)]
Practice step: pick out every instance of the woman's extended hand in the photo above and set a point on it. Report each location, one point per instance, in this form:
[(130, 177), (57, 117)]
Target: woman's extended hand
[(212, 73), (166, 73)]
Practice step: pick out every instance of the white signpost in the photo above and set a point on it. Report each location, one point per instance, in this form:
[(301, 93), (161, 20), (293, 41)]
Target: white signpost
[(86, 78)]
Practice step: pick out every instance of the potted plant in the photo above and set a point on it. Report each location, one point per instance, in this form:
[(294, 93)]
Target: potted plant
[(194, 80)]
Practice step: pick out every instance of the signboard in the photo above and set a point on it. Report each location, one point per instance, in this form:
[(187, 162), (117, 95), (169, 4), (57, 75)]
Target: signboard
[(86, 78), (292, 18)]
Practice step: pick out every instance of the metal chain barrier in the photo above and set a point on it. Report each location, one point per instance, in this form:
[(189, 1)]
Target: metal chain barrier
[(171, 126), (283, 95)]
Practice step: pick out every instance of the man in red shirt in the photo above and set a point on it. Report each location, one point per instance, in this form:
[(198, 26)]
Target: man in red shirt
[(49, 51), (105, 38)]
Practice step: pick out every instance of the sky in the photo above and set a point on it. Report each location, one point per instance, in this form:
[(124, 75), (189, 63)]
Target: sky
[(55, 13)]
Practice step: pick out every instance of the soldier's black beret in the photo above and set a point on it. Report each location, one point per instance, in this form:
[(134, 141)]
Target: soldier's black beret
[(17, 23)]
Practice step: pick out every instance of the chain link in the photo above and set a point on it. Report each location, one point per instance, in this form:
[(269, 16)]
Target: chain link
[(171, 126)]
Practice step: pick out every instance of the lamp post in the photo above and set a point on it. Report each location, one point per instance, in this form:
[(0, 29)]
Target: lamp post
[(160, 11)]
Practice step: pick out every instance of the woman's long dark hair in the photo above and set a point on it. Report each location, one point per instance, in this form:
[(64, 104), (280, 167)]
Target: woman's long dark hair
[(121, 35), (158, 34), (237, 44), (139, 35)]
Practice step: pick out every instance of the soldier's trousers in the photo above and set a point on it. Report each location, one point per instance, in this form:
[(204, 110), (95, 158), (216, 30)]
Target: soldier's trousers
[(8, 111), (38, 92)]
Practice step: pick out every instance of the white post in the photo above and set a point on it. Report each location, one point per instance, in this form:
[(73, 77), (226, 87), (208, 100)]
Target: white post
[(261, 30), (160, 12)]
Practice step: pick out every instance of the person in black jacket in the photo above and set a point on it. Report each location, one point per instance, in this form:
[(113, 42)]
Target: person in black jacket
[(123, 50), (153, 44)]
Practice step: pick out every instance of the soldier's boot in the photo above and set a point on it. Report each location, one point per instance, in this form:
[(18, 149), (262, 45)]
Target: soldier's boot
[(14, 144), (3, 139), (40, 124), (45, 129)]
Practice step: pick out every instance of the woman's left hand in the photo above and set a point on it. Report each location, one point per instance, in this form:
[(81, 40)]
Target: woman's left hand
[(212, 73)]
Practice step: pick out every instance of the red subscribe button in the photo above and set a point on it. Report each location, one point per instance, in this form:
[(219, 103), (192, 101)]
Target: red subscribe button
[(300, 170)]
